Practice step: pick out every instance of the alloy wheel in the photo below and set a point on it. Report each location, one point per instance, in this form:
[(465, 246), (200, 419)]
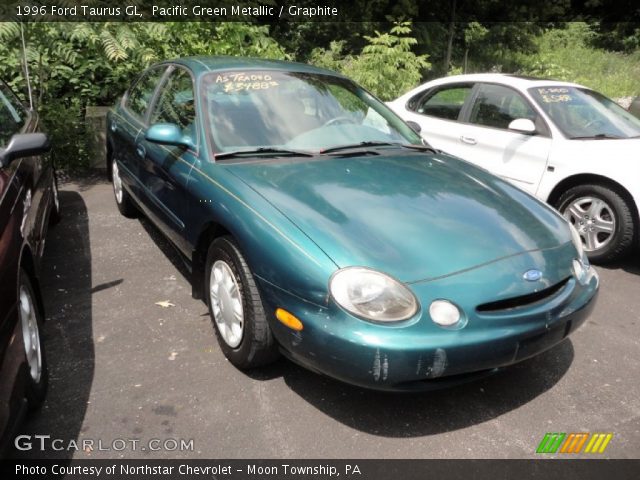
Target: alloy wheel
[(30, 334), (56, 200), (117, 182), (594, 219)]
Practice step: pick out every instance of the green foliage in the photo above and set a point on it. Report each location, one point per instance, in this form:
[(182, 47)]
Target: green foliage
[(386, 66), (332, 58), (71, 136), (474, 33), (75, 65), (568, 54)]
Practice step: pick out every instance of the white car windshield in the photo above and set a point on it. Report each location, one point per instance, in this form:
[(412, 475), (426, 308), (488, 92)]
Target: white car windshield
[(582, 114), (253, 109)]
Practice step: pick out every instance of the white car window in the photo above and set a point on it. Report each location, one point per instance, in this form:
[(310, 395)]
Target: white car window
[(444, 103), (497, 106), (582, 113)]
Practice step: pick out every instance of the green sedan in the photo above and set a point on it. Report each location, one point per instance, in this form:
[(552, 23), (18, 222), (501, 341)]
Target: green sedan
[(316, 224)]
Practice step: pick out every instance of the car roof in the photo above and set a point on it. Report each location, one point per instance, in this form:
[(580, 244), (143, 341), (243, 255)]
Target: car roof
[(519, 81), (203, 64)]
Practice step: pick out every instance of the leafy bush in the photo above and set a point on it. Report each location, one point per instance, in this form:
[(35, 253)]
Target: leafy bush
[(71, 136), (75, 65), (567, 54), (386, 65)]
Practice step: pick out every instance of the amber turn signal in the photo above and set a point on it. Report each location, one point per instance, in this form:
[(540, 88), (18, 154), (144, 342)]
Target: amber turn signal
[(289, 319)]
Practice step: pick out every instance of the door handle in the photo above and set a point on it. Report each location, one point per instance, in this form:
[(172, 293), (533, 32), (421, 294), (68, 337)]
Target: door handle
[(468, 140), (140, 150), (114, 126)]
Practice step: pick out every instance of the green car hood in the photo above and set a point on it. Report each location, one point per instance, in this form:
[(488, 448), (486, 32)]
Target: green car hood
[(414, 216)]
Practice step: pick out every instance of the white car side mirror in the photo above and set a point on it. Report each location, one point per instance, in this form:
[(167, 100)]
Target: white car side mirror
[(523, 125)]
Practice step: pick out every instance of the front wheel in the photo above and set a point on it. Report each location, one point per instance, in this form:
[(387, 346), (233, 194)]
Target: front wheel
[(31, 322), (236, 308), (55, 216), (603, 218)]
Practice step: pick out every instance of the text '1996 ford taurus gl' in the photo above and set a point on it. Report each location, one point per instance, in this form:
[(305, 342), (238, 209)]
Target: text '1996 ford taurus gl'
[(316, 224)]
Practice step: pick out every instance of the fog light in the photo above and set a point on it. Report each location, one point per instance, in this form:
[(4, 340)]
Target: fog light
[(289, 319), (444, 313)]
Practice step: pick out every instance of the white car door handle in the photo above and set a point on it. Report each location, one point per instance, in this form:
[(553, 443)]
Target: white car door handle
[(469, 140)]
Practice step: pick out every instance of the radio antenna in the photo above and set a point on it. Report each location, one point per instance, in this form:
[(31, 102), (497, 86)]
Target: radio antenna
[(26, 65)]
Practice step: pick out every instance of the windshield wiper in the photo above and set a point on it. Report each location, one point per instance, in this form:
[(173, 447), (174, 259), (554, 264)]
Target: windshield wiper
[(339, 148), (269, 150), (599, 136)]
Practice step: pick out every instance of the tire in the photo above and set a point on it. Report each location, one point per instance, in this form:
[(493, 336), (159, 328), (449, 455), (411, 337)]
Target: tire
[(55, 216), (31, 321), (123, 199), (591, 209), (251, 344)]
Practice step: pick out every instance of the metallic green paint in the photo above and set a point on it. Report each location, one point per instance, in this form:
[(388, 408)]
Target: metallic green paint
[(448, 229), (413, 216)]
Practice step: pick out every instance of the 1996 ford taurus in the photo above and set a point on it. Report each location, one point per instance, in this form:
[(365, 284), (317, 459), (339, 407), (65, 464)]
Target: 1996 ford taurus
[(318, 225)]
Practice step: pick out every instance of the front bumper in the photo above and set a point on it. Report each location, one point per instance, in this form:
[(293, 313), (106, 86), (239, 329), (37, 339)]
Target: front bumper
[(418, 354)]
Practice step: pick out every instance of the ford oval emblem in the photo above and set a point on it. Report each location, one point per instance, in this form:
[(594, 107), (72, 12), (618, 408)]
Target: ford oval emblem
[(532, 275)]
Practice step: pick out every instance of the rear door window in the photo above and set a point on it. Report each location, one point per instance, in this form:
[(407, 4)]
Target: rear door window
[(444, 102)]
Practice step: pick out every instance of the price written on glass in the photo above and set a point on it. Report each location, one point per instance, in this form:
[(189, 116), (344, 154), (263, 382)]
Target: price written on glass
[(236, 82), (554, 95)]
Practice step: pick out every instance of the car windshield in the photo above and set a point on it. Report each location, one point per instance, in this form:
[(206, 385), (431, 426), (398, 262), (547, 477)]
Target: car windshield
[(582, 113), (294, 111)]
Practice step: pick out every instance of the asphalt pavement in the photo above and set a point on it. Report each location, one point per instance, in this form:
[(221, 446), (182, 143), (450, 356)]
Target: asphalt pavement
[(135, 369)]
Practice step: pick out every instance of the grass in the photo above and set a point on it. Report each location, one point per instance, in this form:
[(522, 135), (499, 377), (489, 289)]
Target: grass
[(567, 55)]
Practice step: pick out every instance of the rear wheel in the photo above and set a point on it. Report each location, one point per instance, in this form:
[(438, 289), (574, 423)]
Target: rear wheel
[(123, 199), (603, 218), (236, 308), (31, 322)]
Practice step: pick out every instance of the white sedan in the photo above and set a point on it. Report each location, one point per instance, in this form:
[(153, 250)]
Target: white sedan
[(562, 142)]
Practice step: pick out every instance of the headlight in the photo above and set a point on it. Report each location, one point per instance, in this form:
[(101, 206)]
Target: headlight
[(372, 295), (577, 242)]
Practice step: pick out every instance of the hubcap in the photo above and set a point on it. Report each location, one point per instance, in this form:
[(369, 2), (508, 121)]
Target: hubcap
[(56, 201), (117, 182), (226, 303), (594, 220), (30, 334)]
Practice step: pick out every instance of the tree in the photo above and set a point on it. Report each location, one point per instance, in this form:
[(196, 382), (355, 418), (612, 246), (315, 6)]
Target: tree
[(473, 34), (386, 66)]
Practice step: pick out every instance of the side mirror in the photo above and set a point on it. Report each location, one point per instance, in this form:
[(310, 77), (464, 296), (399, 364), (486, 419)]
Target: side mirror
[(523, 125), (168, 134), (414, 126), (24, 145)]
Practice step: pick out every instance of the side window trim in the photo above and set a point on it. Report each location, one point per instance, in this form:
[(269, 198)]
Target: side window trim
[(417, 98), (158, 91), (430, 92), (465, 112), (540, 120)]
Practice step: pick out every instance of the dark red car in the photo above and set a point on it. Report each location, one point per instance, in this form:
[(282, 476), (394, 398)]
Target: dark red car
[(28, 203)]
